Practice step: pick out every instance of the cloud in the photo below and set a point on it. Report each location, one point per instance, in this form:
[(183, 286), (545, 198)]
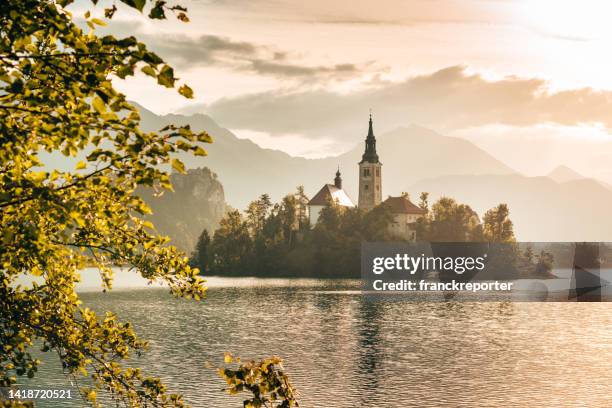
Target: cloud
[(265, 67), (450, 98), (202, 50), (210, 50), (184, 51)]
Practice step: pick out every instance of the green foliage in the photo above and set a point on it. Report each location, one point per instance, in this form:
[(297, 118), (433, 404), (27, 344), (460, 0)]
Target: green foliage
[(232, 244), (450, 221), (497, 225), (275, 239), (201, 255), (544, 265), (265, 380), (56, 96)]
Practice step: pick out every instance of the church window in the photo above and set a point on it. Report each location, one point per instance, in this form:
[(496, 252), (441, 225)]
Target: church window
[(366, 172), (377, 188), (378, 171), (365, 186)]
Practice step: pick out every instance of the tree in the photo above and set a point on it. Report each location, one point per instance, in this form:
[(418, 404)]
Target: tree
[(56, 96), (452, 222), (497, 225), (544, 265), (302, 205), (257, 212), (201, 254), (376, 224), (231, 244), (424, 201)]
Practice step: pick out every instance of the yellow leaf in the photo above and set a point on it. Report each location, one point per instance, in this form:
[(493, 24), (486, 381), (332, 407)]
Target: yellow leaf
[(186, 91), (81, 165), (98, 21), (98, 105), (178, 165)]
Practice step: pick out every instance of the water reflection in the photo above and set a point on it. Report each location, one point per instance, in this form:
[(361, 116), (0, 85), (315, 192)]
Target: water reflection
[(371, 349), (344, 350)]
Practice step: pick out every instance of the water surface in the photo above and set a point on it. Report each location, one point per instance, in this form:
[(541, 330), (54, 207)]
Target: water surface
[(343, 350)]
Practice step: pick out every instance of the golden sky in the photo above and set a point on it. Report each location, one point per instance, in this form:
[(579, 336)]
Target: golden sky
[(301, 76)]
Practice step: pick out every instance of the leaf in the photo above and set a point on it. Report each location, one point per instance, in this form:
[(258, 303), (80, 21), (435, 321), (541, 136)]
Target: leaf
[(98, 22), (186, 91), (205, 137), (98, 104), (178, 165), (200, 152), (149, 71), (137, 4), (157, 12), (166, 77), (81, 165), (78, 218)]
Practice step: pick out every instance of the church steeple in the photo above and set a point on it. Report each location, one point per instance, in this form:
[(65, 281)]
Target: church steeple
[(370, 154), (370, 173), (338, 179)]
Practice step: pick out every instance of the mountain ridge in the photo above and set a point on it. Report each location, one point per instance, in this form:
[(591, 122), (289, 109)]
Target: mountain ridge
[(248, 170), (415, 159)]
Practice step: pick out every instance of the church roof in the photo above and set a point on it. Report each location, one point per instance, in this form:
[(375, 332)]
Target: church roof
[(402, 205), (336, 194)]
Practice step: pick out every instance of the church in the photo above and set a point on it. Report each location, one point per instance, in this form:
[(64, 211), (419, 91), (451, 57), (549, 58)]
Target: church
[(405, 213)]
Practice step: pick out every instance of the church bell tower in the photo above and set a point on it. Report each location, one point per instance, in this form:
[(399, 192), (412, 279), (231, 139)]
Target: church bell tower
[(370, 174)]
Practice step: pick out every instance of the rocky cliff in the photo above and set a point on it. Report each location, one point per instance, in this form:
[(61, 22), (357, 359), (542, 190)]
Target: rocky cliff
[(197, 203)]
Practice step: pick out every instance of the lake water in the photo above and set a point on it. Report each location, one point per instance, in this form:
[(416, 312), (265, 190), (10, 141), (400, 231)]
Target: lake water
[(343, 350)]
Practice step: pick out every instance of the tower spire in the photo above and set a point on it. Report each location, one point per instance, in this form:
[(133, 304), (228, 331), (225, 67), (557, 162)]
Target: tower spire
[(338, 179), (370, 154), (370, 172)]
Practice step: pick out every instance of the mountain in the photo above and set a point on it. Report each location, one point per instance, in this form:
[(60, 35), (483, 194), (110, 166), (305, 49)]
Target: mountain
[(197, 203), (541, 209), (561, 174), (408, 154), (562, 207)]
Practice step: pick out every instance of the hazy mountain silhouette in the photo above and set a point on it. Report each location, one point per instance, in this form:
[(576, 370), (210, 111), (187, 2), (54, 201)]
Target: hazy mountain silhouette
[(561, 174), (409, 154), (541, 208), (566, 208)]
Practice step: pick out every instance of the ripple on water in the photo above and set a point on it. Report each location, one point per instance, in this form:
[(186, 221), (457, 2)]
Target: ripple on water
[(342, 350)]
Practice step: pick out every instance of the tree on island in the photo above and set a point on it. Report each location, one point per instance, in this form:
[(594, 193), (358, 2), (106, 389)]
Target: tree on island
[(201, 253), (56, 96), (276, 239), (448, 221), (497, 226)]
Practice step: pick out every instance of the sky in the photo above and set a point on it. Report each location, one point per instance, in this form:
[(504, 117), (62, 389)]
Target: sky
[(517, 77)]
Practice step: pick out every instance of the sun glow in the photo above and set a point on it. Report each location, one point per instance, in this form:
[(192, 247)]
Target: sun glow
[(580, 20)]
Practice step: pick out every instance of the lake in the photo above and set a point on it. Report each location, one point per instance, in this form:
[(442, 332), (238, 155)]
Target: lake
[(342, 350)]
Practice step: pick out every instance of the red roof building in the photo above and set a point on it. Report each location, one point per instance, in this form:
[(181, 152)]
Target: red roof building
[(405, 214)]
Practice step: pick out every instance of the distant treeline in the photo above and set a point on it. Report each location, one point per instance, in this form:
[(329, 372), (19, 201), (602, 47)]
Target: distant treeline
[(275, 240)]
